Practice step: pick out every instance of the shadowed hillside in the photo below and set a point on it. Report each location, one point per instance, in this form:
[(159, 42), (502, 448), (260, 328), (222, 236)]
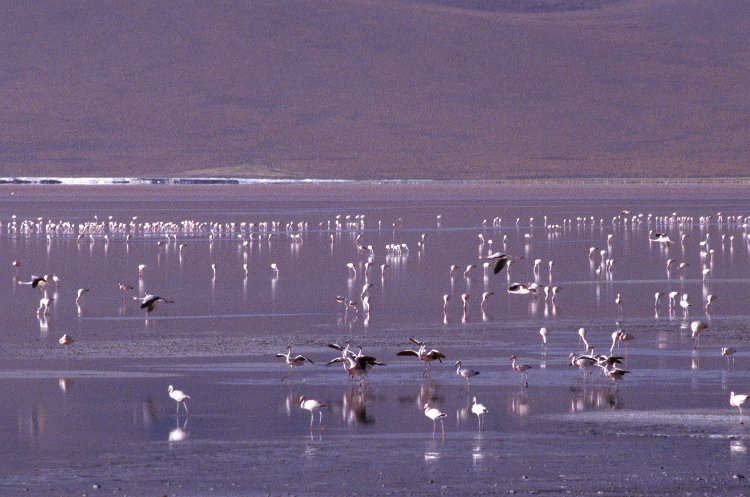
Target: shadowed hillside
[(442, 89)]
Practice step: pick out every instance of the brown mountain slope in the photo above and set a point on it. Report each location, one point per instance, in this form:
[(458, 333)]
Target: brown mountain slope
[(376, 89)]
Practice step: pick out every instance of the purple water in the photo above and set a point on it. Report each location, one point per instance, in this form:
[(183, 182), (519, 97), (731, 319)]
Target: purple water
[(97, 412)]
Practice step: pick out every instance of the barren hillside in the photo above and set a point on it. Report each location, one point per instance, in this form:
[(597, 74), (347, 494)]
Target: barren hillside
[(441, 89)]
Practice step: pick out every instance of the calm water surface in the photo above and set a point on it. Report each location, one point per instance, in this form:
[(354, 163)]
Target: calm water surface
[(95, 417)]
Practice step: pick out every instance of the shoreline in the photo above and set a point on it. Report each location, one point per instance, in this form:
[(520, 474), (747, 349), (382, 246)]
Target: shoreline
[(357, 192), (238, 181)]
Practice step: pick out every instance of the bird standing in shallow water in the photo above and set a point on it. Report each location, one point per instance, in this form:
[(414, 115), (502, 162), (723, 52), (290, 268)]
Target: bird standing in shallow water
[(465, 373), (696, 328), (479, 410), (124, 289), (738, 400), (434, 414), (582, 334), (520, 368), (485, 297), (81, 292), (44, 303), (312, 405), (544, 332), (180, 397)]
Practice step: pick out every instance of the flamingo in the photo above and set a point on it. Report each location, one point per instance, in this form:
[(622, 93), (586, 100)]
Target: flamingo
[(696, 328), (738, 400), (544, 332), (434, 414), (613, 372), (657, 298), (521, 289), (465, 300), (520, 368), (711, 298), (468, 270), (582, 334), (312, 405), (180, 397), (354, 364), (465, 373), (684, 303), (80, 293), (479, 410), (44, 303), (423, 354), (352, 270), (501, 260), (485, 297), (294, 361), (124, 289), (582, 362), (149, 302)]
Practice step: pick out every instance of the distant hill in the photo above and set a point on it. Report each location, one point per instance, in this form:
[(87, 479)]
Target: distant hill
[(443, 89)]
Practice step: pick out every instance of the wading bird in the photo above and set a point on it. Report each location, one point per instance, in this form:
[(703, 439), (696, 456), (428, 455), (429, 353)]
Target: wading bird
[(479, 410), (544, 332), (312, 405), (465, 373), (180, 397), (44, 303), (434, 414), (80, 293), (521, 369), (738, 400)]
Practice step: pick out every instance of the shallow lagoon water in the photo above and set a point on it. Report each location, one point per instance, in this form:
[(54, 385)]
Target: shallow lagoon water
[(97, 413)]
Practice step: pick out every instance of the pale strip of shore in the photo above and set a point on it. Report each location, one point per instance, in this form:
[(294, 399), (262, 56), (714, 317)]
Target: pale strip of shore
[(47, 189)]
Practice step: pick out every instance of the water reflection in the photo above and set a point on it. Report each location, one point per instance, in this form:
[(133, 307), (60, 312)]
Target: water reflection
[(519, 404), (737, 447), (180, 433), (65, 384), (32, 424), (585, 398), (43, 325), (433, 450), (477, 450), (354, 406), (290, 402), (150, 412)]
